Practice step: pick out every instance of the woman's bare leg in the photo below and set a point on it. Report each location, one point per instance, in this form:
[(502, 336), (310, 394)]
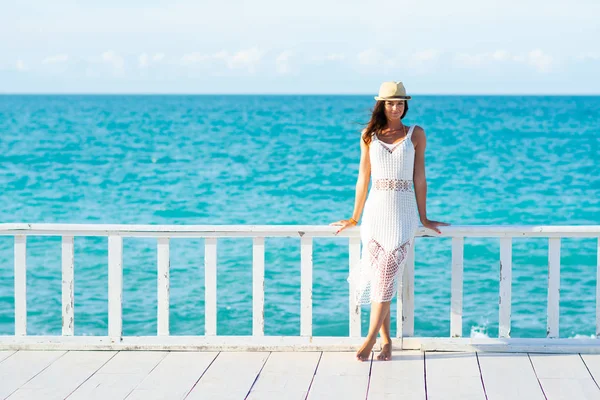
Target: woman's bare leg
[(378, 314), (386, 340)]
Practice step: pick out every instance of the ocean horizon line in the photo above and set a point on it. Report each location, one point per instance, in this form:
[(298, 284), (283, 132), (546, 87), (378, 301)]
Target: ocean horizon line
[(296, 94)]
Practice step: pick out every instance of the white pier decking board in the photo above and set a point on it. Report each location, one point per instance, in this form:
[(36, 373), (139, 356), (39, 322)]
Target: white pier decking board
[(19, 368), (5, 354), (174, 376), (453, 376), (230, 376), (63, 375), (592, 361), (340, 376), (119, 376), (509, 376), (286, 375), (403, 377), (564, 376)]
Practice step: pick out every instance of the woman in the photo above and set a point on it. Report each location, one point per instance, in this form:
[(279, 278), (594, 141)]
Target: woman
[(394, 156)]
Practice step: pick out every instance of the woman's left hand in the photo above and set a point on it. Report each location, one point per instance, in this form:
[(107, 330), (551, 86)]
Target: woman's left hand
[(433, 225)]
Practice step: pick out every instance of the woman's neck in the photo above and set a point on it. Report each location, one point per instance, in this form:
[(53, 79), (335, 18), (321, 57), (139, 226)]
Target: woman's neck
[(395, 125)]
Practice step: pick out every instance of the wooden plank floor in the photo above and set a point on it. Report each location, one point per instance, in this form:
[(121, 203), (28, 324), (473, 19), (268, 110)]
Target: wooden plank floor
[(130, 375)]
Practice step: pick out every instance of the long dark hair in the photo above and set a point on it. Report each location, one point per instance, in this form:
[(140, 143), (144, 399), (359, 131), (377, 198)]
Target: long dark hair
[(379, 120)]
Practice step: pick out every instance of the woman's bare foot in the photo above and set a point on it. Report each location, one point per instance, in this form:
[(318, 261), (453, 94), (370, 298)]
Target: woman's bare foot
[(364, 352), (386, 352)]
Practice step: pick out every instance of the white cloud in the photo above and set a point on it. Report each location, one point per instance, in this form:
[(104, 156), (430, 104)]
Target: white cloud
[(425, 56), (335, 57), (589, 56), (501, 55), (143, 60), (471, 60), (282, 62), (57, 59), (20, 65), (114, 60), (200, 58), (539, 60), (370, 57), (244, 59), (373, 57)]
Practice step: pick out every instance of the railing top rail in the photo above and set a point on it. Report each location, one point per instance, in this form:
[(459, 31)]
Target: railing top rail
[(43, 229)]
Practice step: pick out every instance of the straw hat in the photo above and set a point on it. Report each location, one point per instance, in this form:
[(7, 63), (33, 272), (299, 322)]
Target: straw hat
[(392, 91)]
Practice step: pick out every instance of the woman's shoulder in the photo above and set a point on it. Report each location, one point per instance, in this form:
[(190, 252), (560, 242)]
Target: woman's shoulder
[(418, 128)]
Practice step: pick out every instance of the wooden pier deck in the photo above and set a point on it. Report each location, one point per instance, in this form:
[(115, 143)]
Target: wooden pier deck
[(169, 375)]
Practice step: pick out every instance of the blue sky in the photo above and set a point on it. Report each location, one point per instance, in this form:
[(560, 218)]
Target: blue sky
[(309, 46)]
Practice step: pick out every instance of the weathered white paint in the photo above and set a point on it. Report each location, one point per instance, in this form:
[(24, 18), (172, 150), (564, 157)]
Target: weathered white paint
[(509, 376), (119, 376), (115, 286), (20, 285), (456, 373), (340, 376), (234, 371), (68, 297), (286, 375), (5, 354), (210, 286), (174, 376), (592, 363), (456, 298), (203, 231), (553, 286), (598, 288), (163, 284), (294, 343), (403, 378), (564, 376), (258, 286), (22, 366), (306, 285), (505, 286), (405, 311), (354, 307), (64, 375)]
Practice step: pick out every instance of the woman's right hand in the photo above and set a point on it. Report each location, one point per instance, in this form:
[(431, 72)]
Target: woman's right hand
[(343, 224)]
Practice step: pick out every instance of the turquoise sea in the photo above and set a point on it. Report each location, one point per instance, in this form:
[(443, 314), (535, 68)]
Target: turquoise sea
[(292, 160)]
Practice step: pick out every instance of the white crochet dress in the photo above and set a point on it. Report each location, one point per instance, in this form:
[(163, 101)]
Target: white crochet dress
[(389, 221)]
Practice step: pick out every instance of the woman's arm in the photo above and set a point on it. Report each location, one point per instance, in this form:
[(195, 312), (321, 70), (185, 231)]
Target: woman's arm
[(420, 181), (362, 183), (362, 186)]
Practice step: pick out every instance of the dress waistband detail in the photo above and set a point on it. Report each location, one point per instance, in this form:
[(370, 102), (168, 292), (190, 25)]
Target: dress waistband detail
[(398, 185)]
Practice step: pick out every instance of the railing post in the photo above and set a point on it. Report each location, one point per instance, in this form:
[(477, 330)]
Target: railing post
[(456, 300), (20, 285), (68, 298), (258, 286), (405, 312), (553, 286), (306, 285), (115, 286), (163, 286), (505, 286), (354, 260), (210, 286)]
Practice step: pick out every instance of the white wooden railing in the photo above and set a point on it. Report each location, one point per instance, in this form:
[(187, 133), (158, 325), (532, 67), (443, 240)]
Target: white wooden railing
[(405, 309)]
